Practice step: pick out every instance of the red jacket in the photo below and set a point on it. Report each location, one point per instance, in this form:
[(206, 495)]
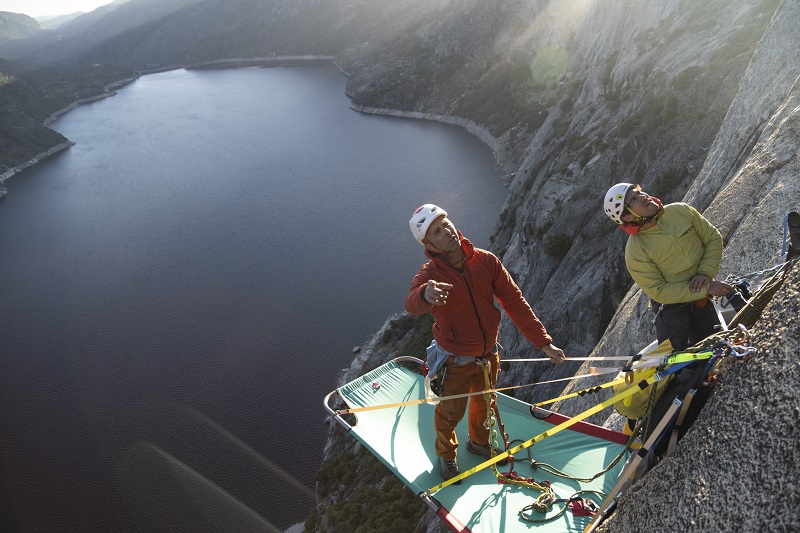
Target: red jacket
[(468, 324)]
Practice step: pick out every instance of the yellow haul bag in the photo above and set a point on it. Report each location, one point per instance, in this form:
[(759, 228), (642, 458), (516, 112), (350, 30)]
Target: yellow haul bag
[(635, 406)]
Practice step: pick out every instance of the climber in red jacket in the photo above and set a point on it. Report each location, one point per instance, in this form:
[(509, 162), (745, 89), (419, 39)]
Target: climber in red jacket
[(459, 286)]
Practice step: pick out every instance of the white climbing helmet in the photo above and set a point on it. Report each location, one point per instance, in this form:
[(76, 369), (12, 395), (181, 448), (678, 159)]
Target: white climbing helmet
[(422, 218), (614, 203)]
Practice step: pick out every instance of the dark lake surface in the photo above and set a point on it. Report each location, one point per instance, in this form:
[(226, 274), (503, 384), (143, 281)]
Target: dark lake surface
[(180, 289)]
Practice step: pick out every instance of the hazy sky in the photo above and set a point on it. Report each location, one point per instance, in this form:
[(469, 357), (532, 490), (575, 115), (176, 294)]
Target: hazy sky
[(39, 8)]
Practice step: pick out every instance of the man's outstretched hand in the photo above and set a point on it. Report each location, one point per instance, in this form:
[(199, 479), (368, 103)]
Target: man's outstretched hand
[(436, 292), (555, 353)]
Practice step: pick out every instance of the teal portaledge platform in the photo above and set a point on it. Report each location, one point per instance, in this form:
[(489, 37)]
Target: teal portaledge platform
[(402, 438)]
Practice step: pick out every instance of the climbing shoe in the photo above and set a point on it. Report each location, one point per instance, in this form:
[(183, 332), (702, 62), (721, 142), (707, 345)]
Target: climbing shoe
[(449, 469), (485, 451)]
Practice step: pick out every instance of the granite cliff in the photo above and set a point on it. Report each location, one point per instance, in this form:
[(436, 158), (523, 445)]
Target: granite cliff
[(734, 156)]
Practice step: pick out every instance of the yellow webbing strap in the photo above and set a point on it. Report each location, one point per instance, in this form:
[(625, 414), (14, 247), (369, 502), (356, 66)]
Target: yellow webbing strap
[(645, 374), (644, 383), (593, 371), (685, 357)]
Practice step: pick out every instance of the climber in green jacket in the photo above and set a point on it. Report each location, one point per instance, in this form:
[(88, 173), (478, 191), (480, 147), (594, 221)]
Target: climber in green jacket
[(673, 254)]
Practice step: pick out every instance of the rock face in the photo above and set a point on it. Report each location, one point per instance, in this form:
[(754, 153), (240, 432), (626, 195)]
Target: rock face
[(748, 182), (736, 468), (563, 249), (744, 447)]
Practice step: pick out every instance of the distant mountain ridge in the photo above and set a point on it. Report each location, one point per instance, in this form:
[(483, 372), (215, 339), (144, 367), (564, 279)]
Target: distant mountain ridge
[(16, 26), (51, 23)]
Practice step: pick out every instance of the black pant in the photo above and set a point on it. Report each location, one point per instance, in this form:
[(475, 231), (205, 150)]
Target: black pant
[(685, 324)]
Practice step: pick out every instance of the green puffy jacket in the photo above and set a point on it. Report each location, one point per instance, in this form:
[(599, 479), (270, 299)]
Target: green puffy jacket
[(663, 258)]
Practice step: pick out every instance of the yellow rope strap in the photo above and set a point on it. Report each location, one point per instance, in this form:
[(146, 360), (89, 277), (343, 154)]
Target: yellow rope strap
[(646, 374)]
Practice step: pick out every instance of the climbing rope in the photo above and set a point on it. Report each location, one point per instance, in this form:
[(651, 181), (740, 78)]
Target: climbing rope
[(496, 429), (550, 469), (593, 372)]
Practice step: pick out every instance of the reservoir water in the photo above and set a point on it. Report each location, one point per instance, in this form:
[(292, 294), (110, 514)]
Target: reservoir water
[(181, 288)]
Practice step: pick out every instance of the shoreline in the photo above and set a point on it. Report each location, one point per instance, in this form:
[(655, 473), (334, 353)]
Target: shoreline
[(267, 62), (479, 131), (108, 91), (243, 62), (38, 157)]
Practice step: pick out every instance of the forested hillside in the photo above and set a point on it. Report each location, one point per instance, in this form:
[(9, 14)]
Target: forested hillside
[(30, 94)]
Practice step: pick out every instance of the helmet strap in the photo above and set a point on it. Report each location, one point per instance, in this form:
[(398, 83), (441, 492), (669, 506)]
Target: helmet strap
[(640, 220)]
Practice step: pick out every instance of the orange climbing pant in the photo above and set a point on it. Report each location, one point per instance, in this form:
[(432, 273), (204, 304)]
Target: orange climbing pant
[(461, 380)]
